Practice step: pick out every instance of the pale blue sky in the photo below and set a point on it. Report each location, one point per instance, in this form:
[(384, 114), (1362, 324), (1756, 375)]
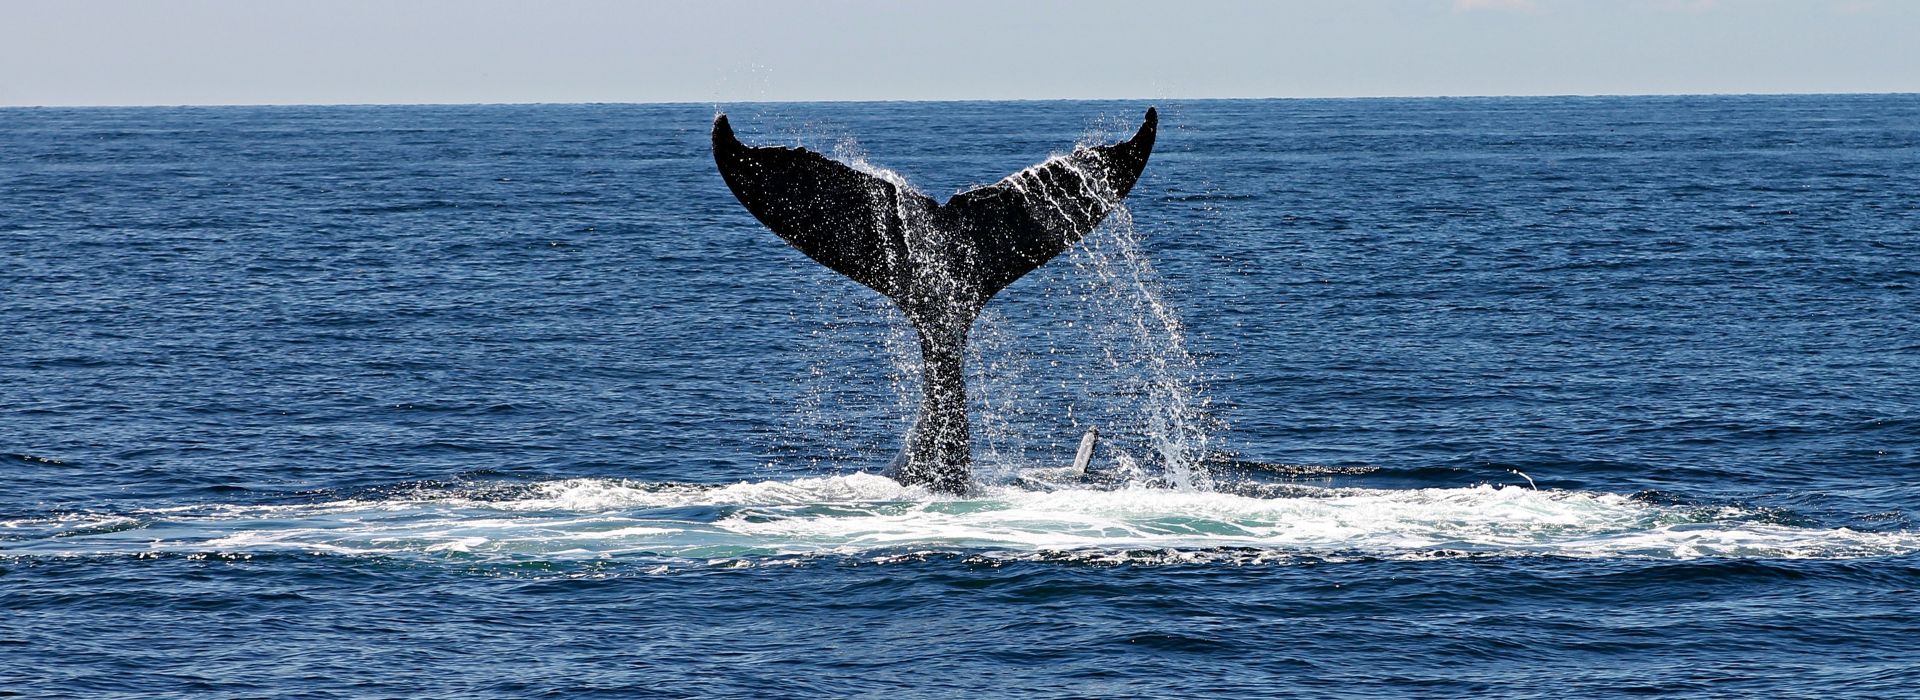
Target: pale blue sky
[(130, 52)]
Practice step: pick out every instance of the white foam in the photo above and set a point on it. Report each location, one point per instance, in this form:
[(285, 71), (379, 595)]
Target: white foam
[(867, 515), (592, 495)]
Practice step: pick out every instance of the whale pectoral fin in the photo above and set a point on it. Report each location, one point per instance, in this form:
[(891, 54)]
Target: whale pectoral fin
[(1021, 222), (844, 219)]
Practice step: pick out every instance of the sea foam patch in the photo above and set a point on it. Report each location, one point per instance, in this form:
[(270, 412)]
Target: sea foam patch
[(867, 515)]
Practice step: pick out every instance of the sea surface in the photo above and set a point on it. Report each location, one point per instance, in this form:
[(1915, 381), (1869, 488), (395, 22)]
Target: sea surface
[(1501, 398)]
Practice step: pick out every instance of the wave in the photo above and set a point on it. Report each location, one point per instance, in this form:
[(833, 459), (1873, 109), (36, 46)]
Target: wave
[(863, 515)]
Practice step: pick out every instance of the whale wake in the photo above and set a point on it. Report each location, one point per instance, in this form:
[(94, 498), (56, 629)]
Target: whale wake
[(869, 517)]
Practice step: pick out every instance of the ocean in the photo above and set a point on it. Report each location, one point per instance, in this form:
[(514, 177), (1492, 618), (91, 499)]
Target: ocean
[(1500, 397)]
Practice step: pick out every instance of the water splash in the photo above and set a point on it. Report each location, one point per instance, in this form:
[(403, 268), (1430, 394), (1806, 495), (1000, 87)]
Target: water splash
[(867, 516), (1143, 346)]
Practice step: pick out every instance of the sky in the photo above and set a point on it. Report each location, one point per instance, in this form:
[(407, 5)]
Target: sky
[(168, 52)]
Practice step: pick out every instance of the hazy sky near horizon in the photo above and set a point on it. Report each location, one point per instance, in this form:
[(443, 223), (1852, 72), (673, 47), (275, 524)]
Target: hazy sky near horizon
[(131, 52)]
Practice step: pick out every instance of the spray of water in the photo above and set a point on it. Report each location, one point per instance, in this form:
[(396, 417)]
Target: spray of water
[(1142, 354), (770, 523)]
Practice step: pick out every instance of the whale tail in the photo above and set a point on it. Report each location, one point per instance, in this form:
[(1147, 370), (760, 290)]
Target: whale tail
[(939, 262)]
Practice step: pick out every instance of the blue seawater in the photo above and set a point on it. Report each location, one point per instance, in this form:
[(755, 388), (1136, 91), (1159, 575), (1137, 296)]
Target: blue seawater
[(1509, 398)]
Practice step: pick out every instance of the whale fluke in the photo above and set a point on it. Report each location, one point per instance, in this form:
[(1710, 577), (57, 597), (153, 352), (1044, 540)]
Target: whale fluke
[(939, 262)]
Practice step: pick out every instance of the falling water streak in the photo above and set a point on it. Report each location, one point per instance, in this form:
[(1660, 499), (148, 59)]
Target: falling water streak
[(1177, 425), (1143, 348), (1142, 342), (827, 421), (1010, 427), (900, 341), (829, 427)]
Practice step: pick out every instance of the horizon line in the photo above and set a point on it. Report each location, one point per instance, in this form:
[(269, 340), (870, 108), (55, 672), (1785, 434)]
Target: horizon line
[(958, 100)]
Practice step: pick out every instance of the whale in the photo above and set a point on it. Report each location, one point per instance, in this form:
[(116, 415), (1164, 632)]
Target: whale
[(939, 263)]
